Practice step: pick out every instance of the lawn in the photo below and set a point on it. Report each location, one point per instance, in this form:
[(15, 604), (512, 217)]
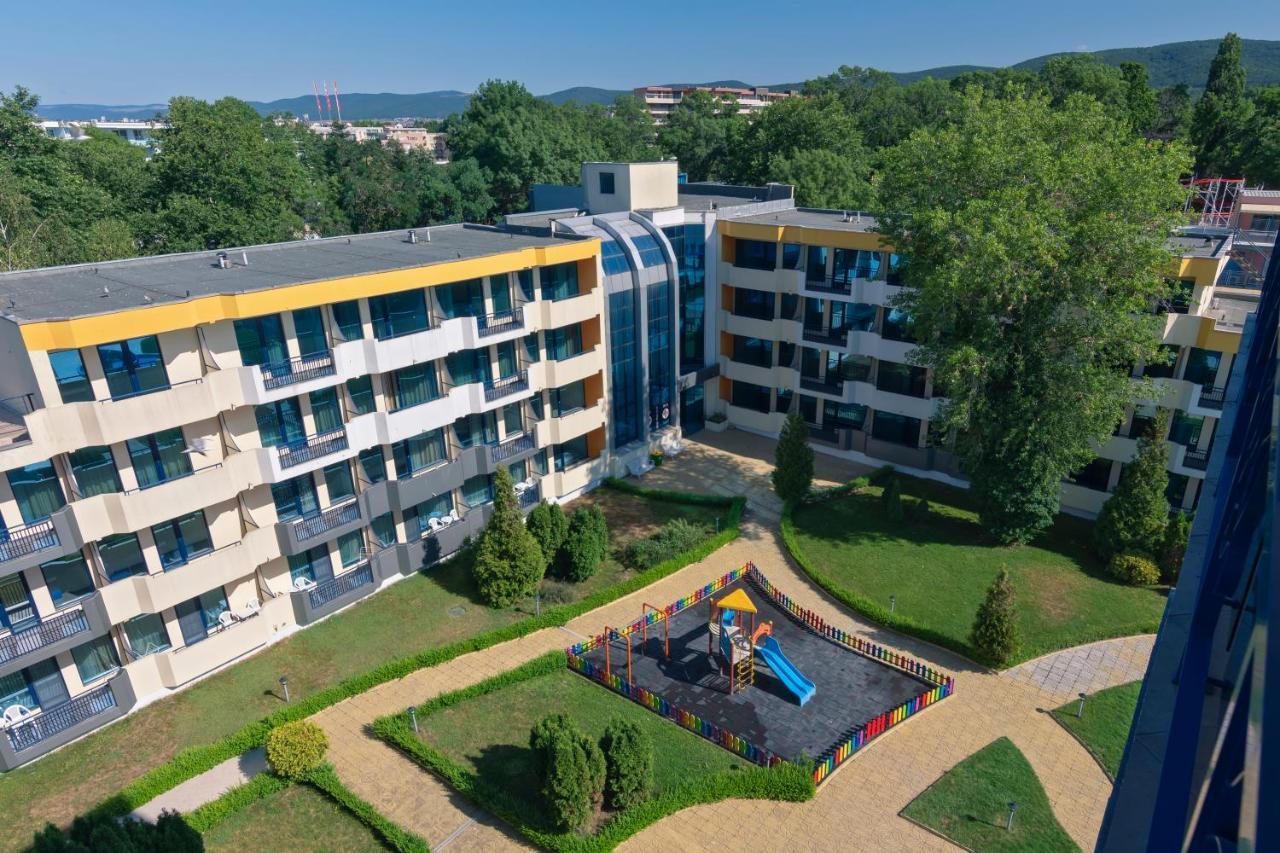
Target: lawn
[(970, 803), (489, 735), (1104, 728), (939, 566), (298, 819)]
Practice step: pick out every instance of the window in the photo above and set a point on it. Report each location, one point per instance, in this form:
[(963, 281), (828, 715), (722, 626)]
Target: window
[(417, 519), (1202, 366), (896, 429), (1143, 420), (17, 611), (308, 329), (38, 686), (531, 350), (1096, 475), (1176, 490), (398, 314), (508, 366), (295, 498), (476, 429), (539, 463), (419, 453), (810, 363), (564, 343), (312, 564), (662, 368), (146, 635), (338, 482), (346, 316), (524, 278), (899, 378), (613, 258), (896, 266), (855, 368), (809, 409), (650, 252), (360, 390), (133, 366), (748, 396), (755, 351), (782, 400), (1185, 429), (469, 366), (570, 398), (67, 579), (512, 420), (790, 303), (414, 385), (373, 464), (94, 470), (756, 255), (95, 659), (853, 316), (843, 415), (625, 367), (536, 408), (198, 616), (182, 539), (559, 281), (325, 410), (70, 375), (279, 422), (261, 340), (121, 556), (477, 490), (606, 183), (851, 264), (462, 299), (816, 264), (159, 457), (570, 453), (898, 326), (1163, 364), (500, 290), (753, 303), (384, 530), (688, 243), (351, 548), (791, 255), (786, 354)]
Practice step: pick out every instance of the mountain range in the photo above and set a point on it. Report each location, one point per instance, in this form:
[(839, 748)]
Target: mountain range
[(1167, 64)]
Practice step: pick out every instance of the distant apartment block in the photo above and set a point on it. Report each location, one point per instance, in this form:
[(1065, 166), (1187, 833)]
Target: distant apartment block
[(141, 133), (661, 100), (409, 138)]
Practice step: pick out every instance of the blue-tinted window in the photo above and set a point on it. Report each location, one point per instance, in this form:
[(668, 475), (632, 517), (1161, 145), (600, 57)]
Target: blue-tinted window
[(477, 490), (398, 314), (461, 299), (898, 378), (373, 465), (650, 252), (419, 453), (338, 482), (525, 279), (613, 258), (146, 635), (279, 422), (347, 317), (850, 264), (570, 398), (384, 530), (560, 281), (898, 326), (476, 429), (198, 616), (564, 343), (159, 457), (67, 579), (261, 340), (361, 391), (417, 519), (792, 253), (688, 242), (624, 368), (121, 556), (896, 429), (325, 411), (753, 303), (308, 328), (607, 183), (69, 373), (816, 263), (508, 364), (469, 366), (570, 453), (38, 686), (313, 564), (755, 255), (843, 415), (295, 498), (94, 470), (414, 385), (662, 367), (182, 539), (755, 351), (748, 396), (531, 350), (133, 366)]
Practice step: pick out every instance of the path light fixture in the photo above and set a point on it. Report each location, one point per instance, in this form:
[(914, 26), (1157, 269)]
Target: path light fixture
[(284, 685), (893, 603), (1008, 824), (413, 718), (1080, 707)]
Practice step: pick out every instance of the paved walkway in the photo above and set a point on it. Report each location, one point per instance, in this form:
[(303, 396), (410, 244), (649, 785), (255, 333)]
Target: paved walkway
[(857, 808), (206, 787)]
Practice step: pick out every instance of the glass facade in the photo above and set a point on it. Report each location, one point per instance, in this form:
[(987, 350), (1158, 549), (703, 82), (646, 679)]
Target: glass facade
[(613, 258), (650, 252), (624, 367), (688, 242)]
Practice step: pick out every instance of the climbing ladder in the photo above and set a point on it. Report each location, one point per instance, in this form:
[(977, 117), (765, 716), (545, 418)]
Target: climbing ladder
[(744, 672)]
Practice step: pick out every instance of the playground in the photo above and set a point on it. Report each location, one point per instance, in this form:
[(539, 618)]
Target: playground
[(737, 659)]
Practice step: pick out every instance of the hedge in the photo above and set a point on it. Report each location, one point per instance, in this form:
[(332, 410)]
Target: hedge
[(395, 836), (213, 813), (787, 782), (196, 760)]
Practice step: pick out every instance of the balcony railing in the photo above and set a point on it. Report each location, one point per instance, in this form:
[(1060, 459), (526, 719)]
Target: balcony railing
[(322, 593), (291, 371), (46, 633), (312, 526), (829, 285), (52, 721), (496, 324), (512, 446), (1196, 459), (834, 337), (822, 386), (1212, 398), (529, 496), (27, 539), (515, 384), (312, 447)]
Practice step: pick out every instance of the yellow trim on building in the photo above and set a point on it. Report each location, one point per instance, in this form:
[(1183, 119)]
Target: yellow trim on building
[(1203, 270), (154, 319), (805, 234), (1213, 338)]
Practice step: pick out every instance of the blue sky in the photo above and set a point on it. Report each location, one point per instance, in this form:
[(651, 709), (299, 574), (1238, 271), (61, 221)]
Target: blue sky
[(145, 51)]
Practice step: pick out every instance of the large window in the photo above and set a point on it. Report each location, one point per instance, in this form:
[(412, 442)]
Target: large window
[(469, 366), (159, 457), (477, 490), (853, 368), (261, 340), (351, 548), (650, 252), (624, 367), (500, 292), (35, 488), (531, 349), (613, 258), (17, 611), (384, 530), (476, 429), (570, 453), (398, 314), (95, 659), (121, 556), (1164, 363), (896, 429), (414, 385), (146, 635), (899, 378), (850, 264), (69, 373), (853, 316), (564, 343), (1096, 475), (182, 539), (508, 364), (843, 415), (753, 303), (360, 389), (419, 453), (792, 254), (1202, 366), (38, 686), (756, 255), (461, 299), (816, 264), (898, 326), (338, 482), (755, 351), (559, 281), (94, 470), (198, 616), (325, 411), (417, 519), (308, 328), (67, 579), (133, 366), (313, 564), (749, 396), (295, 498), (373, 464), (570, 398), (346, 316), (688, 242), (279, 422), (662, 366), (1185, 429)]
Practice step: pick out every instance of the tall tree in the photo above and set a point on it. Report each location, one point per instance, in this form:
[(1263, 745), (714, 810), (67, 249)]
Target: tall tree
[(1221, 111), (1135, 515), (995, 626), (782, 138), (1258, 145), (1140, 98), (698, 133), (509, 563), (1173, 113), (793, 460), (1036, 242)]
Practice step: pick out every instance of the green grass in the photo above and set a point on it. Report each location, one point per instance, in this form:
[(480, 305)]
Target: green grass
[(939, 567), (489, 735), (297, 819), (970, 802), (1104, 728)]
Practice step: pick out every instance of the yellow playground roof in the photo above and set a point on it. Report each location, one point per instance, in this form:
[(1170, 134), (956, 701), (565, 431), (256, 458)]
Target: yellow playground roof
[(736, 600)]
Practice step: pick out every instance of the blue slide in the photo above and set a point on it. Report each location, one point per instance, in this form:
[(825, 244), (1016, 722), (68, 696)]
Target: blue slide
[(786, 671)]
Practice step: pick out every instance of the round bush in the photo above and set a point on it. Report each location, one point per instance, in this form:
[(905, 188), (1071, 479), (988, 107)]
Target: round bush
[(628, 754), (1134, 568), (294, 749), (572, 770)]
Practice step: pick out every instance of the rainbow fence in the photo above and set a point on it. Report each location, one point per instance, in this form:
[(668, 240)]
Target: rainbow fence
[(832, 757)]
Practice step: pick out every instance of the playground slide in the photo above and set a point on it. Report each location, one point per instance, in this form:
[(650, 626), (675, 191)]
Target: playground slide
[(786, 671)]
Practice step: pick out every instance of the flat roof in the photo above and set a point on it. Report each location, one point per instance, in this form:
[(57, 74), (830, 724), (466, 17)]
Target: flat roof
[(1192, 245), (55, 293), (807, 217)]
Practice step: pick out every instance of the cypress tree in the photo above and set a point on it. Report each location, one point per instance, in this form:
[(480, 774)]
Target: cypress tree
[(1134, 517), (793, 467), (509, 562), (1221, 111), (995, 628)]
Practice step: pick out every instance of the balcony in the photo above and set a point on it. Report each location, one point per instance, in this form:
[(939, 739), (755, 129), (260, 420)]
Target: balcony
[(52, 727), (511, 447), (221, 647), (829, 285), (310, 605), (822, 386), (312, 526), (280, 374), (496, 324), (1197, 460), (495, 389), (311, 447), (44, 635), (529, 496), (832, 338), (1212, 398), (27, 539)]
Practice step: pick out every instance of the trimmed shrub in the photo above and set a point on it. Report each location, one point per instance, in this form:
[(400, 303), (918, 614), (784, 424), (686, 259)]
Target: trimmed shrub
[(572, 770), (1173, 547), (549, 525), (296, 748), (101, 832), (1134, 568), (793, 460), (628, 755), (892, 499), (920, 510), (882, 475), (586, 545), (676, 536), (995, 628), (509, 563), (1135, 516)]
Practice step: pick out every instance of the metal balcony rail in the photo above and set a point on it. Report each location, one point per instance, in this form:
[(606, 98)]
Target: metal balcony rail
[(27, 539), (1213, 398), (291, 371), (48, 632), (529, 496), (822, 386), (1196, 459), (503, 321), (311, 447), (51, 721), (829, 284), (514, 384), (512, 446), (322, 593), (311, 526), (835, 337)]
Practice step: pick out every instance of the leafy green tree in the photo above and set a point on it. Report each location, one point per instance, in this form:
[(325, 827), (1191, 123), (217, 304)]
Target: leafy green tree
[(1173, 546), (1135, 515), (1173, 113), (1068, 74), (572, 769), (793, 460), (1258, 143), (995, 627), (698, 133), (794, 125), (103, 833), (548, 524), (1002, 238), (1140, 98), (628, 754), (586, 544), (623, 133), (891, 497), (509, 564), (889, 112), (1222, 111), (824, 178)]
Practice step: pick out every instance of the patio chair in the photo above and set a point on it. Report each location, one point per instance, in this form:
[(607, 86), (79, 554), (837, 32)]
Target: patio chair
[(453, 516), (251, 609), (436, 523), (226, 619), (15, 714), (301, 583)]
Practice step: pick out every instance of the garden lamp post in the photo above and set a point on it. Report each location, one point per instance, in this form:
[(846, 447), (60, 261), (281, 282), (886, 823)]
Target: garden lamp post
[(413, 718), (284, 685), (893, 603), (1008, 825), (1080, 707)]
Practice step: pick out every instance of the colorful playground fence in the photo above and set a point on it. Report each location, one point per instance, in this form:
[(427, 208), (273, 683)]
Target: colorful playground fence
[(943, 685)]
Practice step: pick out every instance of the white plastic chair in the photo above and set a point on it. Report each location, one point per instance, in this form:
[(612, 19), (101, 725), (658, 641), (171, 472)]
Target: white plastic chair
[(15, 714), (250, 609), (531, 482), (453, 516), (301, 583), (226, 619), (436, 523)]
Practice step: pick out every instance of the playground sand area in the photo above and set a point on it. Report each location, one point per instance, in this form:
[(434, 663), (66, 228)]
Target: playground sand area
[(851, 688)]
